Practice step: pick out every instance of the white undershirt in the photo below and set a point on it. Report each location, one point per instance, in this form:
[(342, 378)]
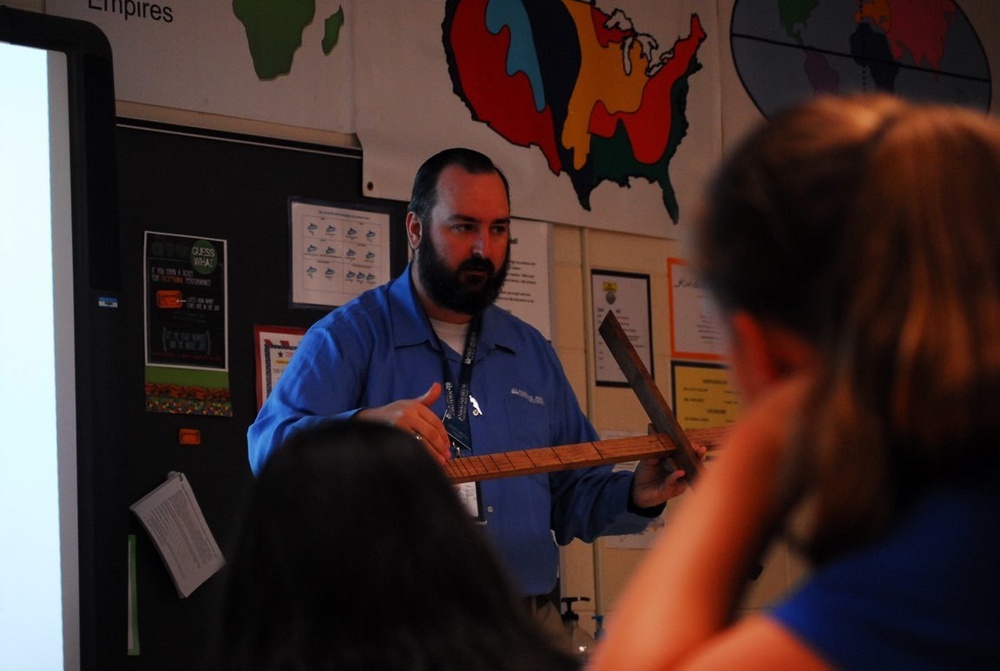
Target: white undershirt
[(450, 334)]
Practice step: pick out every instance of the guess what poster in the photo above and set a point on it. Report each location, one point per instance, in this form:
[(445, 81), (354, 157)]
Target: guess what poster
[(187, 360)]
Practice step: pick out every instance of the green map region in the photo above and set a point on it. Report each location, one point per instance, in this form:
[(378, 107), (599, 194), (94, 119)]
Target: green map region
[(274, 32)]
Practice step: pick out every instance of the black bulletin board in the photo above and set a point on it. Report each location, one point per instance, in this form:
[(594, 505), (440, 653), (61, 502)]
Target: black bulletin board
[(189, 182)]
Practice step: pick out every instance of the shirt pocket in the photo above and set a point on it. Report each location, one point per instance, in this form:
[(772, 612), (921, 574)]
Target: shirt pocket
[(528, 419)]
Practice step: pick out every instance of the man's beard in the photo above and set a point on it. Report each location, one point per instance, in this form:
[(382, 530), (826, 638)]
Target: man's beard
[(470, 295)]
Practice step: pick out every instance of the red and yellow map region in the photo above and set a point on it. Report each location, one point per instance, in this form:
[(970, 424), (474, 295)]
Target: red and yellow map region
[(594, 94), (918, 28)]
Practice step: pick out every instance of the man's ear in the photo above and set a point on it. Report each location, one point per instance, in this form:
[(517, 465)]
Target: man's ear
[(764, 352), (413, 230)]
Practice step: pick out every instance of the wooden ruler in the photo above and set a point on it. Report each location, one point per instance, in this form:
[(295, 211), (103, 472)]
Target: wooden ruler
[(660, 414), (668, 441), (578, 455)]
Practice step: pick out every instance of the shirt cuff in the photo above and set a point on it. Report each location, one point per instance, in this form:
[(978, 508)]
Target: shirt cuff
[(652, 511)]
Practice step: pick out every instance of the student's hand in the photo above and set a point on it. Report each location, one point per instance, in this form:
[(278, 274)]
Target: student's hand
[(414, 415), (761, 440), (685, 591)]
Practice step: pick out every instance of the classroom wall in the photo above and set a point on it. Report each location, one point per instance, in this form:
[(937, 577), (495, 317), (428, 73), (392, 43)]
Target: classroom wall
[(33, 5), (597, 571), (593, 570)]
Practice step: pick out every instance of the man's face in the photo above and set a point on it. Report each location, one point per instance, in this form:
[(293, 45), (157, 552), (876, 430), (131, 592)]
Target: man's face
[(463, 255)]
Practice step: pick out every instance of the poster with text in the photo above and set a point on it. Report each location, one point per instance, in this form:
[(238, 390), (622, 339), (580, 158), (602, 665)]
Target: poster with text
[(186, 325), (287, 63), (525, 294), (696, 328), (704, 395)]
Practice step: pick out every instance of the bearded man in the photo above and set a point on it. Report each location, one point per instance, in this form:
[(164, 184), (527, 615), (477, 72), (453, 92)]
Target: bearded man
[(430, 353)]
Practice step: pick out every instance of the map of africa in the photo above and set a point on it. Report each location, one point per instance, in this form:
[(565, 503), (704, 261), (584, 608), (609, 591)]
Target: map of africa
[(274, 31), (919, 49), (595, 95)]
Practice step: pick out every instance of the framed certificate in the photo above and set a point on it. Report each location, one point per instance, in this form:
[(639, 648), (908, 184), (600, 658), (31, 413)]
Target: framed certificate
[(627, 295), (275, 346)]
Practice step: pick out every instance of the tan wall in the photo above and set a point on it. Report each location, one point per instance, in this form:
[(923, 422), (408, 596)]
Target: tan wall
[(595, 570), (614, 409)]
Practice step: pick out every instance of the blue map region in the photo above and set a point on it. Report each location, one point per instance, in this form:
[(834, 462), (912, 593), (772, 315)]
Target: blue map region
[(522, 57)]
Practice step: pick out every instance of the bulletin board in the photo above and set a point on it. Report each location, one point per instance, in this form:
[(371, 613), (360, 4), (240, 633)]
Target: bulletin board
[(234, 189)]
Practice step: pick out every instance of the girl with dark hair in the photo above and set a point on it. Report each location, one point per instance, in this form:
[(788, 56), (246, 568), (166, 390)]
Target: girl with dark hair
[(355, 553)]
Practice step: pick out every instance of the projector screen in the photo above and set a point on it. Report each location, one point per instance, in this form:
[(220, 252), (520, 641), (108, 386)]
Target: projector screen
[(39, 608)]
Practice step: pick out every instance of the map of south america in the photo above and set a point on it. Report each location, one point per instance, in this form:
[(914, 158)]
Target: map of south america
[(594, 94)]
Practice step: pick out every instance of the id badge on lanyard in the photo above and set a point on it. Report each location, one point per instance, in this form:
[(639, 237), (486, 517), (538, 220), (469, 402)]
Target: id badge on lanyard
[(456, 418)]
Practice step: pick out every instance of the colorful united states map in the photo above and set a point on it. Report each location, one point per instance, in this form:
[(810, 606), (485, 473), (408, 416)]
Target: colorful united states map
[(587, 88), (274, 31)]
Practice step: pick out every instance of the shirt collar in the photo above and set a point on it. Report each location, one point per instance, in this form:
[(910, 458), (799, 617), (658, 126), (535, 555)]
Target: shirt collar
[(411, 327)]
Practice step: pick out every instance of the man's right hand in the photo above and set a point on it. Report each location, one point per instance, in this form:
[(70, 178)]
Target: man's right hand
[(414, 415)]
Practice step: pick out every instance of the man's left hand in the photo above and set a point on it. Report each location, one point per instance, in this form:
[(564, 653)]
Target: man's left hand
[(655, 482)]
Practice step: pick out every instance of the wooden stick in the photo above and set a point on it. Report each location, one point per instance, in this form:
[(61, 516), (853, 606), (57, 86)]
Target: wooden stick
[(669, 440), (656, 407), (577, 455)]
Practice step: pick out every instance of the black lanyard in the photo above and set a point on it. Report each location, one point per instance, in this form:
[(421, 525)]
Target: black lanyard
[(456, 416)]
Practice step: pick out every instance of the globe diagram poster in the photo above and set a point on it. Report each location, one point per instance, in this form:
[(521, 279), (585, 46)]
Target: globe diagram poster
[(928, 50)]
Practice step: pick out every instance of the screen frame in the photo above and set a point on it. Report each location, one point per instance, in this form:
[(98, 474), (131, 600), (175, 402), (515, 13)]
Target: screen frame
[(90, 78), (101, 509)]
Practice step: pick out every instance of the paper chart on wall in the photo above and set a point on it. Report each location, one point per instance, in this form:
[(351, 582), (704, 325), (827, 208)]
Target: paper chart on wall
[(696, 327), (337, 252)]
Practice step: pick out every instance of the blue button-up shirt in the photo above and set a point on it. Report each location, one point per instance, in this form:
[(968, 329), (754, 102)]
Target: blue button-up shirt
[(380, 348)]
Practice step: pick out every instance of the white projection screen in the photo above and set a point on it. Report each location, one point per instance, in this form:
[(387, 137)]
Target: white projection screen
[(34, 208)]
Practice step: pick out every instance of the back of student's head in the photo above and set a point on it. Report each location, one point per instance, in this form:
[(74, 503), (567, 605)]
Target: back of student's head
[(871, 228), (355, 553)]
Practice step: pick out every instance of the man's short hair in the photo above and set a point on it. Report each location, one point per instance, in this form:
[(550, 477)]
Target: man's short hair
[(424, 195)]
